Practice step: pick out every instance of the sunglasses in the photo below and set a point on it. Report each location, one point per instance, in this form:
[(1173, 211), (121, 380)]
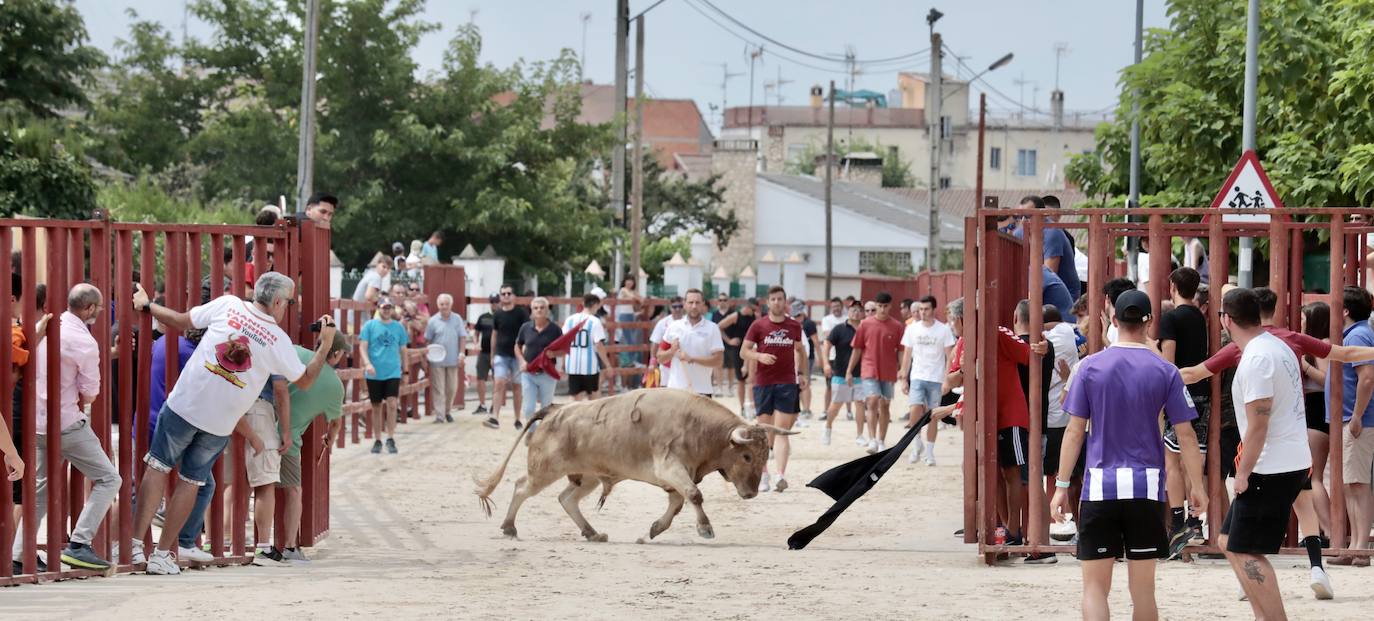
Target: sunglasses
[(677, 306)]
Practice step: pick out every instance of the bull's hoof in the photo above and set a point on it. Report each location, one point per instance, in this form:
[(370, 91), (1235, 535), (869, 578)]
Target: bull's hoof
[(596, 537), (706, 531), (656, 529), (508, 531)]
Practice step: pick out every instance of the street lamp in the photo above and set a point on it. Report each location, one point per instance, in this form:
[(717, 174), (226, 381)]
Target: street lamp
[(1001, 62)]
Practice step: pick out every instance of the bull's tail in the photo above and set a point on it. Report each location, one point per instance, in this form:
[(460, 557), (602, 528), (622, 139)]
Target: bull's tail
[(485, 487)]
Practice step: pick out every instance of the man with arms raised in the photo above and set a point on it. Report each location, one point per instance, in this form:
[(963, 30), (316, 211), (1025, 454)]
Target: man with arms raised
[(242, 346), (774, 344), (1119, 393)]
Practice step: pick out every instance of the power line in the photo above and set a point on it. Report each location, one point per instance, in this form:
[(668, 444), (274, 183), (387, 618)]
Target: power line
[(825, 57), (753, 43)]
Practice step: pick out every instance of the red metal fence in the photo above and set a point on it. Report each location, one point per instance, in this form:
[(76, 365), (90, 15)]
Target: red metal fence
[(109, 255), (999, 274)]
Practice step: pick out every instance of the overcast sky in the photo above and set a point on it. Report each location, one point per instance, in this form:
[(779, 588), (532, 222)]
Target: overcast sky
[(684, 50)]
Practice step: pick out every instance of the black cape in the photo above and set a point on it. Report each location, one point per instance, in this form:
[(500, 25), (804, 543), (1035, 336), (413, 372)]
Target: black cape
[(847, 482)]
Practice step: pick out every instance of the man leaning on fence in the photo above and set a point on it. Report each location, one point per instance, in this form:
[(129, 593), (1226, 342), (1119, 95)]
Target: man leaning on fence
[(242, 346), (448, 329), (78, 387)]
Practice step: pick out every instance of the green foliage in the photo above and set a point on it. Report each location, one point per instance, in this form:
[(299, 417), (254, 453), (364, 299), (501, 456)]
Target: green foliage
[(44, 59), (39, 174), (657, 252), (1315, 112), (675, 207), (896, 170), (144, 200)]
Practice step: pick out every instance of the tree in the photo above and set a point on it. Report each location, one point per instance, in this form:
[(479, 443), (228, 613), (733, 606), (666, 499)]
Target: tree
[(44, 60), (677, 207), (1315, 114), (39, 174)]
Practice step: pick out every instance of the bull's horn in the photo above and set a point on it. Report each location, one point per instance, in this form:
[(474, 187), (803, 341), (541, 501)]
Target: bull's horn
[(778, 430), (740, 434)]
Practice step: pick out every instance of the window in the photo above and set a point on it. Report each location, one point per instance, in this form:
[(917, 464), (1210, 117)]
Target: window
[(995, 158), (1025, 162), (944, 183), (889, 262)]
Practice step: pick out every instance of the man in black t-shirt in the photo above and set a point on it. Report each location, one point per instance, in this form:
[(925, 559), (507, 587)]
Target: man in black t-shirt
[(506, 321), (732, 331), (1183, 341), (483, 326), (813, 343), (841, 341)]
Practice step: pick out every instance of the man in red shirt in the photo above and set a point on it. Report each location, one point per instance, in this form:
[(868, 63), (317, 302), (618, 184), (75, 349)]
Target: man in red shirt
[(774, 343), (878, 351)]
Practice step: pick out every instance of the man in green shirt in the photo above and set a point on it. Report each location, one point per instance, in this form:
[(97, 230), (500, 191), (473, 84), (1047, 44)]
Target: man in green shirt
[(324, 398)]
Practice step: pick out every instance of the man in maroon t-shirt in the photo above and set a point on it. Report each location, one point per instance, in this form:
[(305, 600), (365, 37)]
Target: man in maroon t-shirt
[(878, 349), (774, 343)]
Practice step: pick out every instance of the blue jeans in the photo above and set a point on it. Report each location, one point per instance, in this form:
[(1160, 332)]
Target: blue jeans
[(196, 521), (536, 387), (179, 443), (629, 336)]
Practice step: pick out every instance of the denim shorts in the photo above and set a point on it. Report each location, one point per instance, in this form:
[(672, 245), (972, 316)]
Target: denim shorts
[(877, 388), (177, 443), (924, 393), (505, 367)]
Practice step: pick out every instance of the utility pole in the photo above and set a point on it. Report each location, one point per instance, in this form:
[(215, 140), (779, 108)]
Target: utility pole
[(622, 25), (1246, 276), (1132, 243), (936, 125), (829, 171), (305, 157), (637, 213)]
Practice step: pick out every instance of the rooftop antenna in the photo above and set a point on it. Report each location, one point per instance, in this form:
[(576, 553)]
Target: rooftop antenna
[(1061, 49), (726, 76), (1021, 83), (779, 84)]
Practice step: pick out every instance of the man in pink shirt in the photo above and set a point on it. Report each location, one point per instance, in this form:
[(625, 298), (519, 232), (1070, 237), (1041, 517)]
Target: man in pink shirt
[(79, 386)]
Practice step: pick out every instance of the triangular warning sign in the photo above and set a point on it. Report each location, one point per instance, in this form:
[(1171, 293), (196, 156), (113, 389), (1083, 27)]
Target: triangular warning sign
[(1247, 187)]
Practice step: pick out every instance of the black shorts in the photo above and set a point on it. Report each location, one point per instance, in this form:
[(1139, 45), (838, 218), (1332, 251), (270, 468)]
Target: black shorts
[(779, 398), (1054, 444), (1013, 448), (735, 362), (1258, 520), (483, 366), (1230, 448), (1316, 412), (1132, 528), (377, 390), (16, 434), (578, 384), (1200, 425)]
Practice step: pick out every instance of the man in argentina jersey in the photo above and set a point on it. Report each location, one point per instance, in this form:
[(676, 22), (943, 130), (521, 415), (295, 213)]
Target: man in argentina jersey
[(1114, 400), (587, 356)]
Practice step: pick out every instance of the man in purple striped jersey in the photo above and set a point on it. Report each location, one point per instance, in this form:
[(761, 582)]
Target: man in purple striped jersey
[(1114, 399)]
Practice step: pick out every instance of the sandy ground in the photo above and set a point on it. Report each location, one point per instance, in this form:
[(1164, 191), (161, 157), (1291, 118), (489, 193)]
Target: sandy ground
[(409, 541)]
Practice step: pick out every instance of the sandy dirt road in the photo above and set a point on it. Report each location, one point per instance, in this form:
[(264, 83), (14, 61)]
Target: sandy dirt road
[(409, 541)]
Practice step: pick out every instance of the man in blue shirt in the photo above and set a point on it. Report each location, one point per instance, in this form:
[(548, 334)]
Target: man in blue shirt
[(1358, 378), (431, 248), (1059, 251), (1056, 293), (380, 342)]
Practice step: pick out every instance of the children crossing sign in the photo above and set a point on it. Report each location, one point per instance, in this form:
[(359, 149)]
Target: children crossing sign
[(1247, 187)]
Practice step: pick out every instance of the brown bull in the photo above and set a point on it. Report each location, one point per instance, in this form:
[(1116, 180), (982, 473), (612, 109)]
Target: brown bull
[(664, 437)]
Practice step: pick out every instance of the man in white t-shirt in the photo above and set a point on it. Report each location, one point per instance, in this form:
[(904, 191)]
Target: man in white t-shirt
[(243, 345), (1065, 344), (1274, 460), (587, 355), (695, 348), (375, 283), (927, 345)]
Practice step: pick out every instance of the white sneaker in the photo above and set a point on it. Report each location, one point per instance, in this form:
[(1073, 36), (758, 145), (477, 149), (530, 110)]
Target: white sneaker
[(802, 423), (161, 563), (825, 437), (136, 555), (1321, 584), (861, 441), (194, 554), (872, 447), (763, 483), (930, 460), (914, 455), (262, 558), (882, 446)]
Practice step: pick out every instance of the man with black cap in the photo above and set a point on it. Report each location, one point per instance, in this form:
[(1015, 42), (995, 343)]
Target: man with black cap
[(1120, 392)]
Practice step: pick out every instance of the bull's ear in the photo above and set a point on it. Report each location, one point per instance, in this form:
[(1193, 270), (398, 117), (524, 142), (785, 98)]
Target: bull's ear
[(740, 434)]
